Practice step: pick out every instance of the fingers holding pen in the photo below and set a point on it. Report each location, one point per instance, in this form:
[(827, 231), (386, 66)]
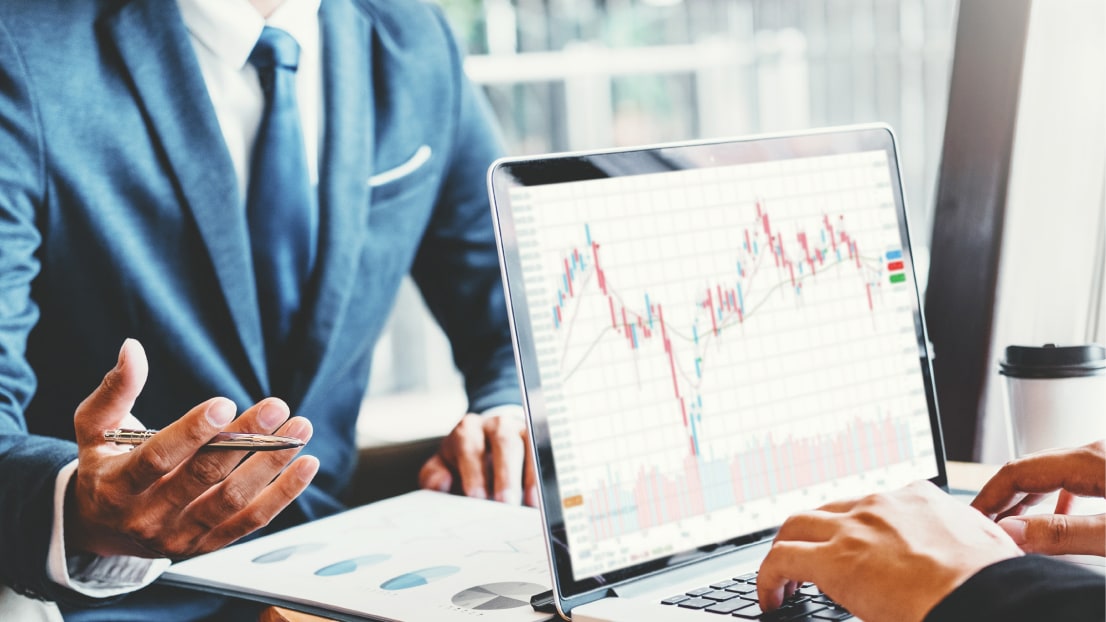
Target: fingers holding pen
[(109, 494), (179, 514), (176, 443), (227, 497), (203, 469), (247, 499), (169, 496)]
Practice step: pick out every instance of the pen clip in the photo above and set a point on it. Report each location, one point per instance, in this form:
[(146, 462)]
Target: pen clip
[(222, 440), (128, 437)]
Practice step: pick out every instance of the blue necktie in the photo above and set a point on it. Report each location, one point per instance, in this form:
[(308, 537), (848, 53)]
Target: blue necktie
[(280, 204)]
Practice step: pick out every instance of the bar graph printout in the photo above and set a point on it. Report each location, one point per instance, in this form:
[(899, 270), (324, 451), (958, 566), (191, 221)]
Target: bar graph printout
[(719, 348)]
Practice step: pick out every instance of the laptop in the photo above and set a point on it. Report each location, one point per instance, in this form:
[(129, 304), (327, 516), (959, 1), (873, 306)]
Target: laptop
[(710, 336)]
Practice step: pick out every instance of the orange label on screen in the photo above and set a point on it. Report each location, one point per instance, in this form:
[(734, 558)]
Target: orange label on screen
[(573, 501)]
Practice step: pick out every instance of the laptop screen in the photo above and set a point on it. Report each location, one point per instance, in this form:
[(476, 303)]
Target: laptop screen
[(712, 337)]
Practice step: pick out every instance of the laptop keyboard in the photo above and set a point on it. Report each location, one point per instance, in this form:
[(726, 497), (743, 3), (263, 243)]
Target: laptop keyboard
[(737, 597)]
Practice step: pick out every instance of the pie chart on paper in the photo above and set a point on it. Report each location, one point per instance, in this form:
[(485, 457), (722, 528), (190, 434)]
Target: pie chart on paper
[(495, 596), (418, 577), (350, 565), (286, 552)]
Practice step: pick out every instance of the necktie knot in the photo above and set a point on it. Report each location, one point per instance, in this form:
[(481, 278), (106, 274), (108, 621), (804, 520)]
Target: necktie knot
[(275, 48)]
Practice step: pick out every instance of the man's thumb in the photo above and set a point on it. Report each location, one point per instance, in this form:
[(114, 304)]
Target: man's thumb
[(1058, 534), (112, 401)]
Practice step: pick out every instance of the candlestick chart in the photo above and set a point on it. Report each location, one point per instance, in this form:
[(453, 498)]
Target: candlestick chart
[(717, 348)]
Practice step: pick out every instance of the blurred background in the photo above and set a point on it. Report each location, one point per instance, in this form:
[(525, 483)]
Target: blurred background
[(578, 74), (1000, 111)]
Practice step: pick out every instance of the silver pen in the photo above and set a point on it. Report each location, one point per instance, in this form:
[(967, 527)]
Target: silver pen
[(222, 440)]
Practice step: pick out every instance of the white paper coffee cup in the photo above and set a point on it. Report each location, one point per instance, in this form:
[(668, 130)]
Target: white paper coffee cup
[(1056, 396)]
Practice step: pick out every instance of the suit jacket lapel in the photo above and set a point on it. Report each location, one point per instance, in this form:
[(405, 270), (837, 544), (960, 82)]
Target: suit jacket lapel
[(346, 162), (155, 49)]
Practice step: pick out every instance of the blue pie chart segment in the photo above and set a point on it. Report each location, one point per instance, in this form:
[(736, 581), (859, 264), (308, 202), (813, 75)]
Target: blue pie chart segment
[(419, 577), (282, 554), (350, 565)]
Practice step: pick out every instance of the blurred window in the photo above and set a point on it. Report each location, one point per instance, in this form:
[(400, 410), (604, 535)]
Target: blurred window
[(577, 74), (580, 74)]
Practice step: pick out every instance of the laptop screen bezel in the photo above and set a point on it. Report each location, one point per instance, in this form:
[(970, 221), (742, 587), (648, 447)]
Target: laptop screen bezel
[(561, 168)]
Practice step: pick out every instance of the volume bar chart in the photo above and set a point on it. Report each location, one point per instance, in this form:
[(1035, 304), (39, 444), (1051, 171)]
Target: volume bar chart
[(721, 347), (772, 468)]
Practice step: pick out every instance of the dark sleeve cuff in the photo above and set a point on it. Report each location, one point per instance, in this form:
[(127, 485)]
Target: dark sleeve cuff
[(1032, 587), (500, 393)]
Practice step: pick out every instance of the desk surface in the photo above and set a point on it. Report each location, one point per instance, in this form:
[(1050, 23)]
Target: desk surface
[(280, 614), (962, 475)]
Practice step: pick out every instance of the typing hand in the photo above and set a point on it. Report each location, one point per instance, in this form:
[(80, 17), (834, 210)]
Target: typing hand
[(466, 452), (165, 498), (891, 556), (1025, 482)]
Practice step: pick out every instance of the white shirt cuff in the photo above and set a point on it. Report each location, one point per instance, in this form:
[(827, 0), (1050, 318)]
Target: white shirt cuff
[(92, 575), (511, 410)]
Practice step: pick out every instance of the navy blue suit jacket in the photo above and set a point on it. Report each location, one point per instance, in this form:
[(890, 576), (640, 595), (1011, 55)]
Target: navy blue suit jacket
[(120, 217)]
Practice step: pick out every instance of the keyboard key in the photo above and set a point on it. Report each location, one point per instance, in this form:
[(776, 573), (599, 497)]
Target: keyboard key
[(753, 612), (790, 612), (810, 590), (748, 577), (721, 585), (719, 595), (752, 595), (673, 600), (833, 614), (742, 588), (730, 606), (695, 603), (699, 592)]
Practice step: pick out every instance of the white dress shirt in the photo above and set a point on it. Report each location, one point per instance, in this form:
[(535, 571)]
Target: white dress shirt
[(223, 33)]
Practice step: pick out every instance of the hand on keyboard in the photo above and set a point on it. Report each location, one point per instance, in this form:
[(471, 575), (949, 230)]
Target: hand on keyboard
[(886, 557)]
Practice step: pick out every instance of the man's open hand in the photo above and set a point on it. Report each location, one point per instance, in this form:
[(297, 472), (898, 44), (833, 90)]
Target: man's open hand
[(168, 497)]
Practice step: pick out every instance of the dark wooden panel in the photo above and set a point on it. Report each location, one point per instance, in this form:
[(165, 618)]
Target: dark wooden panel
[(971, 199)]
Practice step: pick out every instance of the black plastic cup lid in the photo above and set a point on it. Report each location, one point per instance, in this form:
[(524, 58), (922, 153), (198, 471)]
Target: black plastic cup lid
[(1051, 361)]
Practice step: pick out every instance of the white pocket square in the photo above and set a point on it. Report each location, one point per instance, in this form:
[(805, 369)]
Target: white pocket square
[(422, 154)]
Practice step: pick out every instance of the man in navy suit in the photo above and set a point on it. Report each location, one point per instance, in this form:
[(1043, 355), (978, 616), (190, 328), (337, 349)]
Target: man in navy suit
[(130, 142)]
